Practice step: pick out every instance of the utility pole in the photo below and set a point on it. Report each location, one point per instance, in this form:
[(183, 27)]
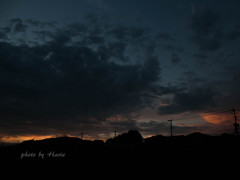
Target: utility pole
[(171, 127), (82, 136), (235, 124)]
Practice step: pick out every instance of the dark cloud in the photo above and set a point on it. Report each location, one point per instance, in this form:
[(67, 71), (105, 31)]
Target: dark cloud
[(94, 40), (200, 56), (43, 35), (136, 32), (155, 127), (191, 79), (100, 4), (124, 125), (234, 33), (170, 47), (175, 58), (37, 23), (117, 49), (77, 28), (17, 25), (164, 36), (193, 100), (124, 33), (207, 31), (63, 81), (204, 21), (207, 43), (201, 59), (66, 77), (4, 33), (229, 87)]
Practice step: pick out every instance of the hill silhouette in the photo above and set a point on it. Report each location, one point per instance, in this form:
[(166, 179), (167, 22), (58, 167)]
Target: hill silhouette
[(130, 142), (195, 146)]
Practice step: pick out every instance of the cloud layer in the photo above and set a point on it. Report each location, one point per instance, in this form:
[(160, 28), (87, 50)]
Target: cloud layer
[(98, 74), (75, 76)]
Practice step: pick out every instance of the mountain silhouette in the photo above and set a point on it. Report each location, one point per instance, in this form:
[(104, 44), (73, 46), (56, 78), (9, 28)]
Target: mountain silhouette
[(192, 147), (126, 142)]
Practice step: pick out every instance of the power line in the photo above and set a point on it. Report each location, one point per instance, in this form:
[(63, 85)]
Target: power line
[(235, 124), (205, 114), (171, 127)]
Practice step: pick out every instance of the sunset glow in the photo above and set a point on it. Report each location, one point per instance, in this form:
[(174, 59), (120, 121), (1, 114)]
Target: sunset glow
[(19, 139), (100, 68), (217, 118)]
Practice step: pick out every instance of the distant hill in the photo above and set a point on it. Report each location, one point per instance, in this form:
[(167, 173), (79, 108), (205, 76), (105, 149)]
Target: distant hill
[(131, 144), (197, 135), (126, 142), (71, 146)]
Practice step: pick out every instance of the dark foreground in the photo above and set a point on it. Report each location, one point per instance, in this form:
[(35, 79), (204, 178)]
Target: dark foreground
[(128, 147)]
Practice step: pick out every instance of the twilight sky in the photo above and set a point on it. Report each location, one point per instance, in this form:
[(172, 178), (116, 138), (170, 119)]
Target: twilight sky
[(96, 66)]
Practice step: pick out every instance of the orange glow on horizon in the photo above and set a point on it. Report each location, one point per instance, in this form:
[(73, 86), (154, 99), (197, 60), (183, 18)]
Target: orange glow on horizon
[(17, 139), (217, 118)]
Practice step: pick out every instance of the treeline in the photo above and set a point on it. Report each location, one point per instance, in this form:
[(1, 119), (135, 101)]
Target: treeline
[(130, 144)]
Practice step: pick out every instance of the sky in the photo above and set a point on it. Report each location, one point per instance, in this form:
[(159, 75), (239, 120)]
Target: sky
[(69, 67)]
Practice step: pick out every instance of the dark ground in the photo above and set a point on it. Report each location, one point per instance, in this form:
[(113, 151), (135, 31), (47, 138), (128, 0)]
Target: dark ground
[(130, 148)]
